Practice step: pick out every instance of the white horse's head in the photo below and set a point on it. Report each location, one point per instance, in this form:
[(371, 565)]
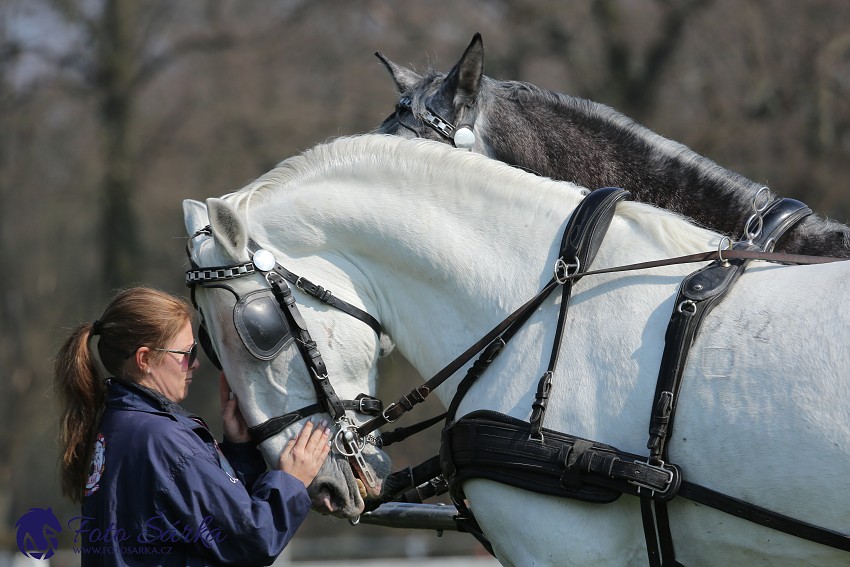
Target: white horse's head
[(256, 344)]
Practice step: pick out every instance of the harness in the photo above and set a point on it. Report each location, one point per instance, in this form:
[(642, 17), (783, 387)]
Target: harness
[(460, 136), (491, 445), (494, 446)]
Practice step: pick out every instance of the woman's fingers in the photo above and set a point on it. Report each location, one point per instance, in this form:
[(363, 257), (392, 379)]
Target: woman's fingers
[(302, 457)]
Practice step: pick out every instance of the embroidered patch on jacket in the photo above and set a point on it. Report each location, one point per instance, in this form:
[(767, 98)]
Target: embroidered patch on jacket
[(98, 463)]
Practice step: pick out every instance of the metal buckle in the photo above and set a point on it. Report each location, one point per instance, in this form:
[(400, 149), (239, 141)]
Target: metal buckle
[(322, 377), (365, 399), (388, 408), (496, 346), (652, 489)]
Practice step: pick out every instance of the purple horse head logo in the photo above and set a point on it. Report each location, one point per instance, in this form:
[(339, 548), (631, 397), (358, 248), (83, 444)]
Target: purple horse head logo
[(38, 533)]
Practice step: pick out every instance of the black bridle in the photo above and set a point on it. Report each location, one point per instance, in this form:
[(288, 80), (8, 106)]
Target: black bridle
[(267, 320), (461, 137)]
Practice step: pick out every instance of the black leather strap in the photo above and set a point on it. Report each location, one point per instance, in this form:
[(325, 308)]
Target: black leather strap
[(320, 293), (582, 238), (325, 296), (307, 347), (697, 296), (363, 404), (764, 517)]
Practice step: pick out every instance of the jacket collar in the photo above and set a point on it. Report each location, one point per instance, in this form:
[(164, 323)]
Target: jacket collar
[(129, 396)]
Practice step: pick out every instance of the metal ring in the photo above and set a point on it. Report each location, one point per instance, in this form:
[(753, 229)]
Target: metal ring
[(750, 234), (564, 271), (687, 307), (764, 193), (768, 246), (340, 436), (721, 248)]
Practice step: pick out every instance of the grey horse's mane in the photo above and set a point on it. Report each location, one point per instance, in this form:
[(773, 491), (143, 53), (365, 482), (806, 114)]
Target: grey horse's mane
[(627, 130)]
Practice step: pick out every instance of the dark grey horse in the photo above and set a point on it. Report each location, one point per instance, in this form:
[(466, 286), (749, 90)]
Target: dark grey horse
[(590, 144)]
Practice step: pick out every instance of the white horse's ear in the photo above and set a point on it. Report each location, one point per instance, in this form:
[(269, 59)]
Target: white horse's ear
[(228, 229), (405, 79), (194, 216)]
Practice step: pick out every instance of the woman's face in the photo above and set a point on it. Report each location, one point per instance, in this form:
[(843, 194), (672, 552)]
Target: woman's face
[(171, 373)]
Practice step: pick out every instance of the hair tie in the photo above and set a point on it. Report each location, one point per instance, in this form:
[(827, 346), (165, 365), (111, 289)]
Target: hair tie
[(96, 327)]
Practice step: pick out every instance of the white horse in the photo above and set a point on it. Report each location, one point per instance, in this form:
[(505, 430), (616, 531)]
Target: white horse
[(440, 244)]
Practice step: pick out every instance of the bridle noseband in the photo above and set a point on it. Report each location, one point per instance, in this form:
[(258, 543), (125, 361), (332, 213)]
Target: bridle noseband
[(277, 309)]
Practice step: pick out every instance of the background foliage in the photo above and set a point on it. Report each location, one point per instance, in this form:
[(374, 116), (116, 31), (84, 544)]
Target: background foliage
[(112, 112)]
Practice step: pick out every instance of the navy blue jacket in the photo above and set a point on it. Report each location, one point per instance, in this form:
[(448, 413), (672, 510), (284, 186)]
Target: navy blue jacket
[(162, 492)]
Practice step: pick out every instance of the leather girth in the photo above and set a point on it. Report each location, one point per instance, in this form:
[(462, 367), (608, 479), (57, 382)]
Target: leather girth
[(494, 446)]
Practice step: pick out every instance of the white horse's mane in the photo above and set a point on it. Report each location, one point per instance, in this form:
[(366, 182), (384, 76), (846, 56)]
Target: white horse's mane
[(393, 157)]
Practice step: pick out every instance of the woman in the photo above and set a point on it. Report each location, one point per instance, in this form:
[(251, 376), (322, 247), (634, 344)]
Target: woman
[(155, 487)]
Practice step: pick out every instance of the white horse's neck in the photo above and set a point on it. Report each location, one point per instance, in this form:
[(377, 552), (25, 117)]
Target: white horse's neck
[(454, 256)]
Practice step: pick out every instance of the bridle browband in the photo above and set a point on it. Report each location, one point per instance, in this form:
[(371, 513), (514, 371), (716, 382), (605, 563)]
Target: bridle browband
[(461, 137), (347, 441)]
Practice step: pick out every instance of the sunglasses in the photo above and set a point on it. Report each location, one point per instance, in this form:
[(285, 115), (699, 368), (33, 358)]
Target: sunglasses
[(189, 356)]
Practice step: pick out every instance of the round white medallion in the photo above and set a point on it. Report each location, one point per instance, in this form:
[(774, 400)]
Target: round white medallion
[(264, 260), (464, 138)]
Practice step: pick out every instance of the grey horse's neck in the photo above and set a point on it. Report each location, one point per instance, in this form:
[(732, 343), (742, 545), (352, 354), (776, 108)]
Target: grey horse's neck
[(593, 145)]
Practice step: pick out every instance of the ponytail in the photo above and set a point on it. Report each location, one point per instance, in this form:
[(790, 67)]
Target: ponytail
[(133, 318), (82, 392)]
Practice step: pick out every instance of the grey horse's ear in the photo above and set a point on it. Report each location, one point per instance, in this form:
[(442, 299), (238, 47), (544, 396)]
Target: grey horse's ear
[(405, 79), (228, 228), (465, 76)]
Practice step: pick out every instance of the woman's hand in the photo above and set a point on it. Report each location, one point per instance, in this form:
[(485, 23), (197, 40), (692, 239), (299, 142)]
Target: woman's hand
[(303, 456), (235, 428)]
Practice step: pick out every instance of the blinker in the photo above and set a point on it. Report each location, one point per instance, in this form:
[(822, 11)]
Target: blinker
[(261, 325), (207, 345)]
